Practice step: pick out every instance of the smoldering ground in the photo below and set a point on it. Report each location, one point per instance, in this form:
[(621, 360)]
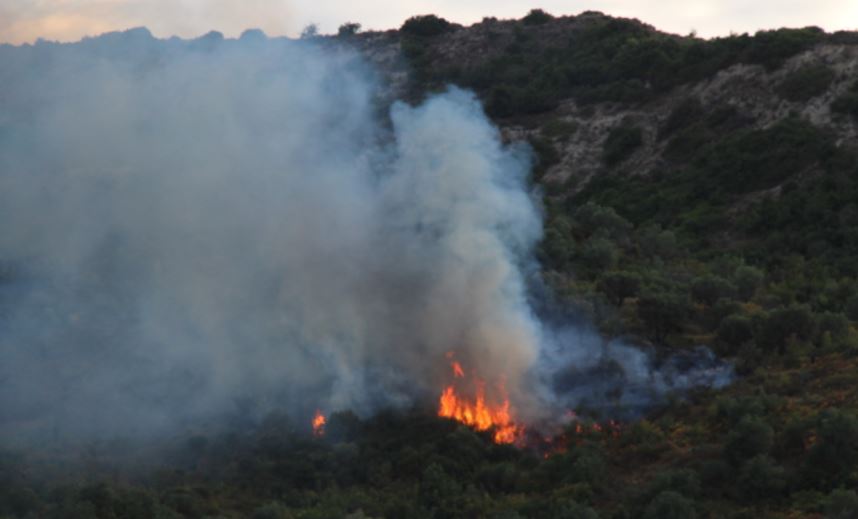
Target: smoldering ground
[(192, 230)]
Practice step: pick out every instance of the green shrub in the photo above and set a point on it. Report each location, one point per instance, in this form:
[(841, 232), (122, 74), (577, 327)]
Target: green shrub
[(834, 455), (760, 478), (848, 102), (752, 436), (622, 141), (559, 129), (771, 48), (662, 313), (852, 308), (670, 505), (683, 481), (733, 332), (537, 17), (806, 82), (747, 280), (709, 289), (618, 285), (599, 254), (683, 115), (348, 29), (842, 504), (836, 325), (272, 511), (782, 323), (426, 26)]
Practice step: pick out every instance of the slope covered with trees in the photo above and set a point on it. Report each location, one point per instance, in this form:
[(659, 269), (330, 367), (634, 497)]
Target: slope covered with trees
[(696, 192)]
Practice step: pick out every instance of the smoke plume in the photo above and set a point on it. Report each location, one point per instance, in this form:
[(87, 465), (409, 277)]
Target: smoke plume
[(193, 230)]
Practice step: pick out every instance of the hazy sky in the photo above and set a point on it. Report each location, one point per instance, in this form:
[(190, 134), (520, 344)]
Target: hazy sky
[(67, 20)]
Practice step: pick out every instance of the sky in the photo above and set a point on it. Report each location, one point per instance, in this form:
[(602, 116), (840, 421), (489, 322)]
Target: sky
[(23, 21)]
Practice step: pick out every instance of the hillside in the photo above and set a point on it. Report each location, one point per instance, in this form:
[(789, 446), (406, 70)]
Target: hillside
[(735, 156), (695, 192)]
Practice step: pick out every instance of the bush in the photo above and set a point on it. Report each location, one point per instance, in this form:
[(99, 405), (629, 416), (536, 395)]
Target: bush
[(772, 48), (709, 289), (599, 254), (834, 455), (835, 324), (682, 116), (618, 285), (537, 17), (747, 280), (752, 436), (852, 308), (842, 504), (683, 481), (592, 218), (662, 314), (348, 29), (783, 323), (806, 82), (761, 479), (733, 332), (272, 511), (622, 141), (670, 505), (848, 102), (426, 26)]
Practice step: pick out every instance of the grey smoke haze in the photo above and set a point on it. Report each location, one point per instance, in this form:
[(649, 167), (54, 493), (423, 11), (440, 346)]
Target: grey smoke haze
[(197, 229), (190, 226)]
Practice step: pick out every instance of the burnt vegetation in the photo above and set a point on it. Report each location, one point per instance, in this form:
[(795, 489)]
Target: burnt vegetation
[(740, 235)]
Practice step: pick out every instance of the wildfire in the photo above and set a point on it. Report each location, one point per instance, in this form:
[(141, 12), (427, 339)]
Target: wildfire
[(319, 424), (477, 412)]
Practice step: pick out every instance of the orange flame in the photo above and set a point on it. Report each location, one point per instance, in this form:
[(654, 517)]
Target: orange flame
[(457, 370), (477, 413), (319, 422)]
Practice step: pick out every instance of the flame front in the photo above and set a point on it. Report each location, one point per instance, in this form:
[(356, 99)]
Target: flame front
[(477, 412), (319, 424)]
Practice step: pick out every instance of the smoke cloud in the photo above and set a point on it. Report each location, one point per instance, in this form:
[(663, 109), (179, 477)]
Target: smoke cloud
[(209, 230), (196, 228)]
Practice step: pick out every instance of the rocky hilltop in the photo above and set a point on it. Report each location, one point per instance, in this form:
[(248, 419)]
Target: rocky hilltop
[(640, 77)]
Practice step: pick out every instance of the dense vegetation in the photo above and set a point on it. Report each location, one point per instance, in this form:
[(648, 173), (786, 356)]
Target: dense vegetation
[(741, 237), (604, 59)]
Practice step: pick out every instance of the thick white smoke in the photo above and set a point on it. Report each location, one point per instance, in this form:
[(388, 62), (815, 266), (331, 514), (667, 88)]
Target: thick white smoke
[(209, 230), (197, 229)]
